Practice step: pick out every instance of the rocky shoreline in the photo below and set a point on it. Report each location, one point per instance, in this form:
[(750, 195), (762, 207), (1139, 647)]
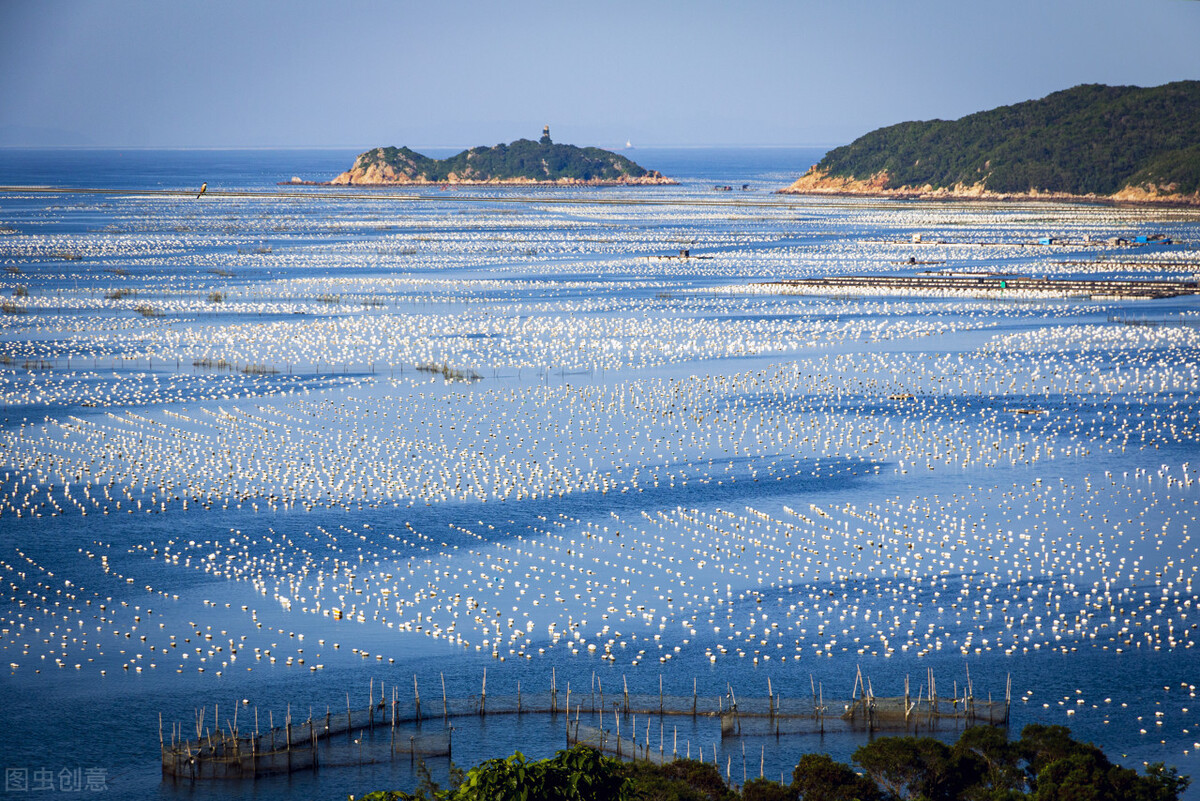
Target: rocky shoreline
[(506, 182), (819, 182)]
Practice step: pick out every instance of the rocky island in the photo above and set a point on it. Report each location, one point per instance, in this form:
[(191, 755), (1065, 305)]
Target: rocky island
[(1090, 143), (523, 162)]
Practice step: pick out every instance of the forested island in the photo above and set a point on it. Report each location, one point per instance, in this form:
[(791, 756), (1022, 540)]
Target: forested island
[(522, 162), (1092, 142)]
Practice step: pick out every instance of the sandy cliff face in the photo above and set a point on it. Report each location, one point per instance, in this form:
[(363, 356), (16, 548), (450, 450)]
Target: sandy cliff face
[(371, 168), (820, 182), (1153, 193)]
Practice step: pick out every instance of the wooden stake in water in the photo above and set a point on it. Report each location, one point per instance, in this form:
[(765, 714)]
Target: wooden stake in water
[(1007, 697)]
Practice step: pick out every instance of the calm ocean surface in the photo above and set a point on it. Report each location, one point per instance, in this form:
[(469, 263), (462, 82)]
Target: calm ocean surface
[(258, 169), (807, 485)]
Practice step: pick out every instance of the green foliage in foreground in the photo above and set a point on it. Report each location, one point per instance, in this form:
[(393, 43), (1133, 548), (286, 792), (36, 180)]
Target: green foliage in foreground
[(1046, 764), (580, 774), (1089, 139)]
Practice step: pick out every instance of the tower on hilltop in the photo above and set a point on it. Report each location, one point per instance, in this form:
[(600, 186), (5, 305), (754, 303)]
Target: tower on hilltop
[(545, 140)]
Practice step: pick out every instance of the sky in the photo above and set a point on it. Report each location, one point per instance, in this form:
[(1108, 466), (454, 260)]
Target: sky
[(458, 73)]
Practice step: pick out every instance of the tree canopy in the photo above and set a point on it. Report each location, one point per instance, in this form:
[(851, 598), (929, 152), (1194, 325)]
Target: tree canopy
[(522, 159), (1045, 764), (1092, 139)]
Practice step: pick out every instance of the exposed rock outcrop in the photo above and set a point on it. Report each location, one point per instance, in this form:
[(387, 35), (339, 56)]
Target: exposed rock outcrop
[(820, 182)]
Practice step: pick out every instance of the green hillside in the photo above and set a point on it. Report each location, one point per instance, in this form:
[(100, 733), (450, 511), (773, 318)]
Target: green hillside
[(522, 160), (1091, 139)]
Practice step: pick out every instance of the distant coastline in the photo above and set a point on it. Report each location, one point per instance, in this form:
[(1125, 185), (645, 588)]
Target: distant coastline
[(523, 163), (1123, 145), (496, 182), (819, 182)]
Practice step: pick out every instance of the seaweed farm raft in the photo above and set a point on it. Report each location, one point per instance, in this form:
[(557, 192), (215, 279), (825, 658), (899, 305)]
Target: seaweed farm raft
[(988, 286)]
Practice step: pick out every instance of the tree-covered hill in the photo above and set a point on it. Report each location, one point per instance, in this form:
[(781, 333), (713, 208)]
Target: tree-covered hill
[(522, 161), (1045, 764), (1097, 140)]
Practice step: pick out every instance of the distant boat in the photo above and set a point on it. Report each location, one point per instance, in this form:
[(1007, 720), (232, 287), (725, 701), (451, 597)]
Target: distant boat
[(628, 145)]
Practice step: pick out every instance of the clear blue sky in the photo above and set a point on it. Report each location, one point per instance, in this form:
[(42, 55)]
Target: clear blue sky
[(230, 73)]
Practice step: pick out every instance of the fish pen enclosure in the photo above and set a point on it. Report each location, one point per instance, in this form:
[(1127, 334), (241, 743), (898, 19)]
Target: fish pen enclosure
[(353, 737), (628, 725), (775, 716)]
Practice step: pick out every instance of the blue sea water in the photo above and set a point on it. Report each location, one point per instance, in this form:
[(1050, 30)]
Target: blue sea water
[(772, 167), (517, 261)]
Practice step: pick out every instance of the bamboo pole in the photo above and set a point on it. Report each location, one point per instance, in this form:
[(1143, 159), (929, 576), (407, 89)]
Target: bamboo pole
[(1007, 697), (618, 718)]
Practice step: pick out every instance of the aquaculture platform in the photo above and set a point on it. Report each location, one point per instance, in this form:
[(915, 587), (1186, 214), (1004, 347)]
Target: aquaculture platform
[(631, 726), (986, 285)]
